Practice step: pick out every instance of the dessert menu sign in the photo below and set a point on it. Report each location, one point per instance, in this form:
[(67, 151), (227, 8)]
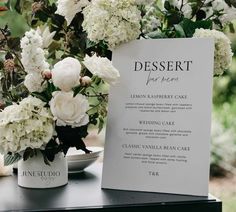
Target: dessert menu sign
[(159, 119)]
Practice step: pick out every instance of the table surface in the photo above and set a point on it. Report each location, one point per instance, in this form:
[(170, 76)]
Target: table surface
[(83, 192)]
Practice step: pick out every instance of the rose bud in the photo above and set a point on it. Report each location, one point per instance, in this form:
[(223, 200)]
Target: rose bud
[(47, 74), (2, 105), (37, 6), (85, 81), (9, 65)]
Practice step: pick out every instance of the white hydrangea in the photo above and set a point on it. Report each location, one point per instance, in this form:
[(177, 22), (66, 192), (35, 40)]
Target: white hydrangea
[(66, 73), (102, 67), (144, 2), (69, 8), (69, 110), (114, 22), (223, 51), (150, 21), (27, 124)]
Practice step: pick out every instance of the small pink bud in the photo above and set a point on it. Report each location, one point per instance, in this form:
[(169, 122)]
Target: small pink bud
[(85, 81), (2, 105), (9, 65), (47, 74), (37, 6)]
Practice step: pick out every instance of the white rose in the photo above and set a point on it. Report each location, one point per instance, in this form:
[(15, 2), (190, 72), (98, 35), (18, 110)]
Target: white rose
[(102, 67), (34, 82), (66, 74), (69, 110), (69, 8)]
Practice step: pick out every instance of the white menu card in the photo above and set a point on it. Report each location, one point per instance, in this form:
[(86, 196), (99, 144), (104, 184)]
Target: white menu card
[(159, 117)]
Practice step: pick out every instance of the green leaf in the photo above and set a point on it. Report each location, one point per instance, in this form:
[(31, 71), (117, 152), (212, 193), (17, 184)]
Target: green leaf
[(93, 118), (1, 65), (179, 31), (79, 89), (17, 6), (83, 131), (167, 5), (201, 14), (11, 158), (174, 17), (8, 4), (217, 21), (231, 3), (45, 159), (28, 153), (51, 149), (40, 96), (97, 80), (41, 16), (8, 56), (90, 44), (100, 124), (14, 43), (231, 28), (189, 26)]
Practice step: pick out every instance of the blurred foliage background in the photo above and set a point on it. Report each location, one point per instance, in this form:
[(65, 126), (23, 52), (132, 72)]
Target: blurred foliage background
[(223, 158), (223, 154)]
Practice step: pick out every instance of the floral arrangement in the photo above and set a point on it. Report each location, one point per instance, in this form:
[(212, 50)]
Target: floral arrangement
[(54, 79)]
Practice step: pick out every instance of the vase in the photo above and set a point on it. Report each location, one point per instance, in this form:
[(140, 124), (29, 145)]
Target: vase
[(34, 173)]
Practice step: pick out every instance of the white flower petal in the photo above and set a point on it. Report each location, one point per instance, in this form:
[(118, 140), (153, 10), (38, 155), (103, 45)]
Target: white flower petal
[(69, 8), (102, 67), (47, 36), (69, 110), (66, 74), (34, 82)]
